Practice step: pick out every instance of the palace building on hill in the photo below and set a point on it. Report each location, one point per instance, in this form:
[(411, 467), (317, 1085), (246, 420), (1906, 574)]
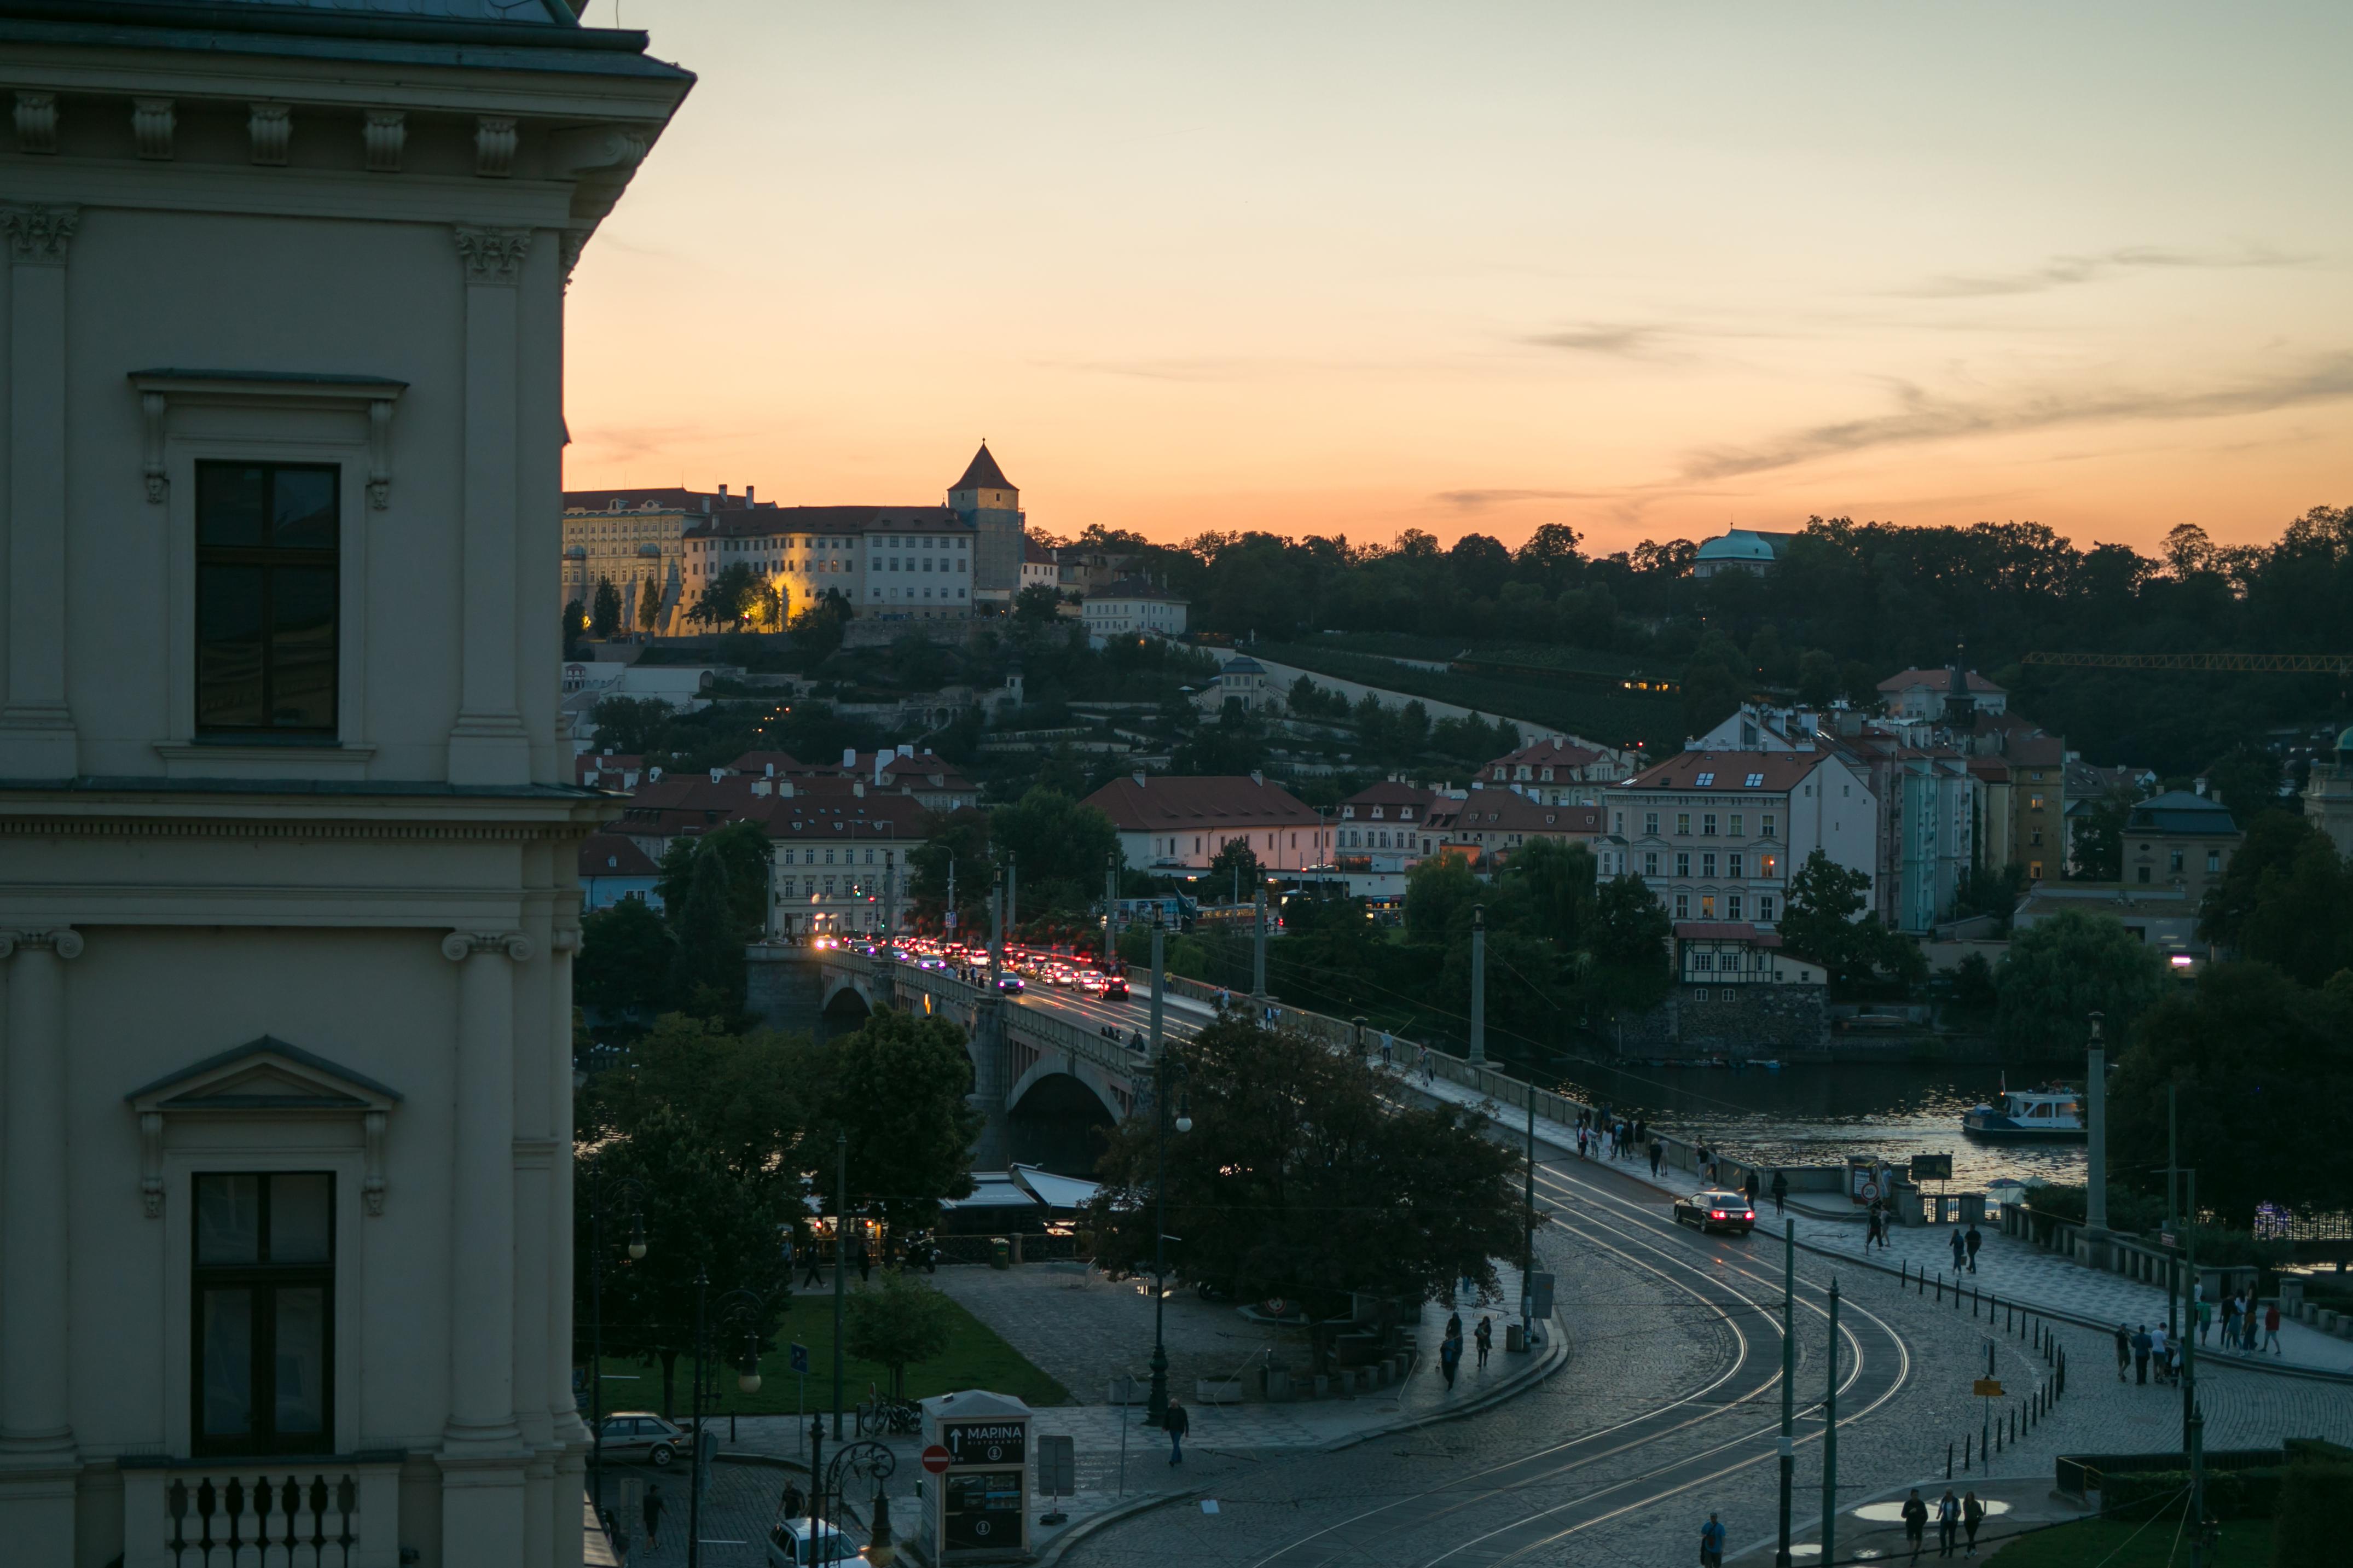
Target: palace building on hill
[(661, 549)]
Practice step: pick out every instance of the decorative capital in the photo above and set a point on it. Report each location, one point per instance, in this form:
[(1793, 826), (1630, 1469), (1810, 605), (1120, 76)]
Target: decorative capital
[(461, 945), (493, 255), (63, 940), (40, 235)]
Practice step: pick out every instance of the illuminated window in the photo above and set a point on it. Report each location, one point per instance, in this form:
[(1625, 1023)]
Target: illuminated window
[(1703, 781), (1682, 823)]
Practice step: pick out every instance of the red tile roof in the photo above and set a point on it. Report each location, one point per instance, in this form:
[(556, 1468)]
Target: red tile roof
[(1507, 811), (1729, 771), (760, 764), (1167, 801), (1552, 753), (1942, 679), (1727, 931)]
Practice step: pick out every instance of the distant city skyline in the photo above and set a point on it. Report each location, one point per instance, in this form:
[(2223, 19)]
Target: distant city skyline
[(1324, 269)]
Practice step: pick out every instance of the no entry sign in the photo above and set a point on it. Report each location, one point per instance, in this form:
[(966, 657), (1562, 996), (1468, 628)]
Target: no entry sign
[(937, 1459)]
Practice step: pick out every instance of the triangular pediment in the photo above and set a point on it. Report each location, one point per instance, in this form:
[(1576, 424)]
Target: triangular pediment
[(267, 1074)]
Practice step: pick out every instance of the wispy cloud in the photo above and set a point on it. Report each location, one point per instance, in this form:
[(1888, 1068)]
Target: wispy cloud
[(1625, 338), (2065, 271), (1924, 416), (1478, 501), (620, 442)]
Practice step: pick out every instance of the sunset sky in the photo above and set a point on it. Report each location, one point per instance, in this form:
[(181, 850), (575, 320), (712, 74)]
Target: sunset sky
[(1355, 268)]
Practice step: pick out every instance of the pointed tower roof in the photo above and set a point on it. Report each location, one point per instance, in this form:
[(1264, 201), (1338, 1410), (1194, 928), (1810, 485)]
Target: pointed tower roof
[(983, 474)]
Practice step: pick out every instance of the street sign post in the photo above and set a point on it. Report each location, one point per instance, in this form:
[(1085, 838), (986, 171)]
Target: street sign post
[(1986, 1388), (800, 1400), (1057, 1473)]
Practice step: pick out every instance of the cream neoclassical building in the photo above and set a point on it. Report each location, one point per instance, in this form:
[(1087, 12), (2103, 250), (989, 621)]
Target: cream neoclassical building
[(286, 841)]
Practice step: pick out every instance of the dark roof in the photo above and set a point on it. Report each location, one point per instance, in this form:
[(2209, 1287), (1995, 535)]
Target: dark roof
[(611, 855), (759, 522), (1389, 791), (1508, 811), (1138, 588), (983, 474), (2180, 811), (1174, 801), (1554, 753), (669, 498)]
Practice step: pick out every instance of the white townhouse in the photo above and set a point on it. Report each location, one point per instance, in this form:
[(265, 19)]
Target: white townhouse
[(288, 833), (1717, 834)]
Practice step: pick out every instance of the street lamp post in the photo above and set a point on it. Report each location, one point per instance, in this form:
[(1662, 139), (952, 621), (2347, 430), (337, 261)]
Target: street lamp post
[(739, 1303), (1155, 1410), (635, 1192), (830, 1480)]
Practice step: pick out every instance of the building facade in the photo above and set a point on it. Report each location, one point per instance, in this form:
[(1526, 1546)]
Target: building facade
[(1719, 834), (2179, 840), (1178, 823), (1134, 607), (1741, 549), (1558, 772), (290, 892), (1242, 680), (2328, 796), (641, 551)]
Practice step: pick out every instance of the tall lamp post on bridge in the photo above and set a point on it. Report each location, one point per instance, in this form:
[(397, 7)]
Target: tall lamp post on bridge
[(634, 1190), (1155, 1409)]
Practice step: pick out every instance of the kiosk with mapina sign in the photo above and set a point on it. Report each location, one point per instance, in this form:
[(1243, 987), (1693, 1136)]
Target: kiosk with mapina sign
[(977, 1503)]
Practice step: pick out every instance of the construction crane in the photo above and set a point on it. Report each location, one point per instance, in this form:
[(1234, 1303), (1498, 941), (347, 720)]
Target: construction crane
[(2242, 663)]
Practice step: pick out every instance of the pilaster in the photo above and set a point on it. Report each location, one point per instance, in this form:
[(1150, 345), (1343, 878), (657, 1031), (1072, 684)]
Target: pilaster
[(36, 730), (37, 1455), (488, 744)]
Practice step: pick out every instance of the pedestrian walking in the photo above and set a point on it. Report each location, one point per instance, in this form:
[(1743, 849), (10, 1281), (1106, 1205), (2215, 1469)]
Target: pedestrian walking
[(816, 1267), (652, 1511), (865, 1262), (1949, 1520), (1711, 1543), (1176, 1422), (1388, 1050), (2205, 1319), (1706, 1166), (1580, 1143), (2271, 1329), (1485, 1339), (1972, 1515), (1961, 1251), (1780, 1189), (1915, 1522), (794, 1505), (1975, 1240), (1642, 1132), (1658, 1153), (2141, 1345), (1454, 1325), (2124, 1351), (616, 1537), (1750, 1187), (2248, 1339), (1450, 1353)]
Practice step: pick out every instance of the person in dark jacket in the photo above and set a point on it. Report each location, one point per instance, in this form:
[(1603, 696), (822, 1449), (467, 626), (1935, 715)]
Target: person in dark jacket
[(1485, 1339), (1177, 1424), (652, 1508), (2124, 1351), (1975, 1241), (1780, 1189), (2141, 1347), (1960, 1250), (1972, 1515), (1449, 1355), (1915, 1522)]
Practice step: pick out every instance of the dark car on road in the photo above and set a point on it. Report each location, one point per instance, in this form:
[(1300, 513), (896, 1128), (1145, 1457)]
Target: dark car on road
[(1714, 1210)]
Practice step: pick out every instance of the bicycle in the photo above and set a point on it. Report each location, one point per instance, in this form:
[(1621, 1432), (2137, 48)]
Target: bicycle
[(884, 1415)]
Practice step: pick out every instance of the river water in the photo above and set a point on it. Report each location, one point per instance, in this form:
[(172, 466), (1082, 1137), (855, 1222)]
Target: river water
[(1818, 1114)]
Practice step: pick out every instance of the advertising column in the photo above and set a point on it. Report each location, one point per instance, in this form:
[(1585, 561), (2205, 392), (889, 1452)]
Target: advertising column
[(977, 1508)]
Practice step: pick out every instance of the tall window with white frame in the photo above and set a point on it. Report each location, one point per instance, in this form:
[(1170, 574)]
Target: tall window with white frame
[(267, 569), (264, 1299)]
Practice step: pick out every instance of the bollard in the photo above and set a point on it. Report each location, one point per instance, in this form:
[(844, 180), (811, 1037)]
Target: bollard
[(1921, 1280), (1965, 1443), (1948, 1459)]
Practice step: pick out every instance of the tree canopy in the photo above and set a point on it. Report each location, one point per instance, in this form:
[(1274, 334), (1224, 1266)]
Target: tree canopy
[(1299, 1181), (2059, 971)]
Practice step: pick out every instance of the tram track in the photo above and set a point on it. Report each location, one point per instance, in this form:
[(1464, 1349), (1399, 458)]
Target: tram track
[(1740, 1385)]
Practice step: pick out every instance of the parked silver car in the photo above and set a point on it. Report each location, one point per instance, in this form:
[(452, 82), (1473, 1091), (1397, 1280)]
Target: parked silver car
[(642, 1435)]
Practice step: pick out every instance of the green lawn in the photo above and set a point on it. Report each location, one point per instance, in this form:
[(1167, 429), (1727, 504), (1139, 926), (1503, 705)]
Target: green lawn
[(2244, 1543), (975, 1358)]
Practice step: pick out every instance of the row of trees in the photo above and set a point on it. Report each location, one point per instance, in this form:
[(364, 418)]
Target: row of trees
[(1850, 602)]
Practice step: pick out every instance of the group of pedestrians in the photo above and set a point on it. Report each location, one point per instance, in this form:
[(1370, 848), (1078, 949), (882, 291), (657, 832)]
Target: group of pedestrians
[(1953, 1515), (1965, 1248), (1602, 1135), (2248, 1326), (1450, 1349)]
